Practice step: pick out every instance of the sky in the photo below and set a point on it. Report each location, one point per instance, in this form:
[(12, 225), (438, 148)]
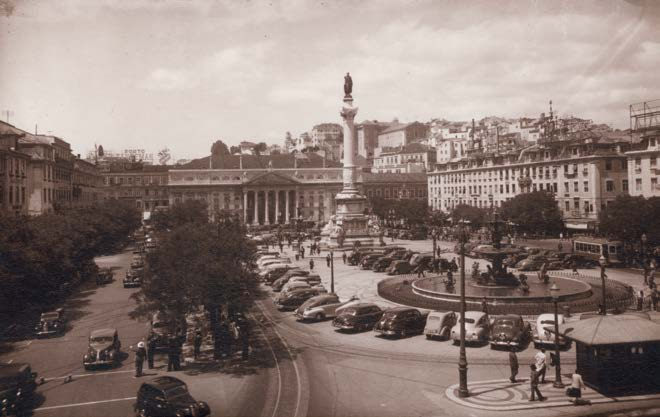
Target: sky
[(181, 74)]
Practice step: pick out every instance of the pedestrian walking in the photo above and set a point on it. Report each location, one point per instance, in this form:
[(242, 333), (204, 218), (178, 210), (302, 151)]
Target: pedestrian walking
[(151, 350), (534, 384), (343, 257), (197, 342), (225, 342), (318, 249), (560, 247), (420, 271), (654, 298), (640, 300), (178, 350), (540, 361), (281, 247), (302, 251), (328, 260), (311, 264), (513, 364), (575, 390), (140, 355), (484, 305), (171, 353)]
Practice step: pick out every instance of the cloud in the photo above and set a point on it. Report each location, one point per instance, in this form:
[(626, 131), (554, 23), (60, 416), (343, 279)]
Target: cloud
[(163, 79)]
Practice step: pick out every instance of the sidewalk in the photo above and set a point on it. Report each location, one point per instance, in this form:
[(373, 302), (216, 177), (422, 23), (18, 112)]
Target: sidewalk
[(502, 395)]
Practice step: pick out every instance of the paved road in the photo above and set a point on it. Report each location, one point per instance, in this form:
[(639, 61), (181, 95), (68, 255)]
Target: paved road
[(111, 392)]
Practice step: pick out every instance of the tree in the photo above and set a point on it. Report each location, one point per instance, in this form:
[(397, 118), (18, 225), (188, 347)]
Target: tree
[(219, 148), (472, 214), (628, 218), (179, 214), (195, 264), (534, 212), (260, 148), (437, 218), (235, 150)]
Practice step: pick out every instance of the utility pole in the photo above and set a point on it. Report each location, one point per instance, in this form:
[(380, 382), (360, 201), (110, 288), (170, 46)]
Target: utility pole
[(332, 272), (7, 113)]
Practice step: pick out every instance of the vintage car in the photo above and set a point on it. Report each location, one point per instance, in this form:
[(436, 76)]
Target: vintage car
[(321, 307), (477, 328), (51, 323), (132, 279), (288, 276), (358, 317), (439, 324), (381, 264), (295, 298), (104, 276), (368, 261), (511, 331), (264, 272), (543, 337), (531, 263), (291, 286), (17, 386), (103, 349), (311, 280), (275, 272), (400, 267), (262, 264), (166, 396), (400, 322)]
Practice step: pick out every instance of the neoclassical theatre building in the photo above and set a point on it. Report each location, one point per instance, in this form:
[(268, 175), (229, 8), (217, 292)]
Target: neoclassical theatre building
[(278, 189)]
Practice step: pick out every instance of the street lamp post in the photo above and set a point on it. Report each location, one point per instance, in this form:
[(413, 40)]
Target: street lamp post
[(643, 248), (434, 236), (603, 262), (332, 272), (554, 291), (462, 358)]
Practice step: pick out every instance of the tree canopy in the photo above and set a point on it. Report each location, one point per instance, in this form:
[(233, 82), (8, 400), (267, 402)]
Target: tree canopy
[(534, 212), (475, 215), (219, 148), (198, 263), (188, 211), (412, 211), (40, 254), (628, 218)]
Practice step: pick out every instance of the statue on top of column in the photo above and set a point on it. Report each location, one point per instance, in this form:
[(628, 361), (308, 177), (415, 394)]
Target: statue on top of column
[(348, 85)]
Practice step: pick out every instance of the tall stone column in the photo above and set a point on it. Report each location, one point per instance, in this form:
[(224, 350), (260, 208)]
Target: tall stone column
[(277, 206), (348, 113), (245, 206), (266, 208), (288, 210), (255, 221), (295, 196)]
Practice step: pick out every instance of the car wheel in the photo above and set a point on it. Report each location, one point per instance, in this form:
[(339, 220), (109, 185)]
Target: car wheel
[(319, 317), (429, 337)]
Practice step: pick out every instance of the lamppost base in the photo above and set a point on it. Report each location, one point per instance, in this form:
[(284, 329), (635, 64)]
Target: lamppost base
[(463, 393)]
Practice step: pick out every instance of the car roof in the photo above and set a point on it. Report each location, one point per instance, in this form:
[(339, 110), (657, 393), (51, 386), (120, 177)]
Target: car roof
[(165, 382), (399, 309), (439, 313), (12, 370), (103, 332), (508, 317)]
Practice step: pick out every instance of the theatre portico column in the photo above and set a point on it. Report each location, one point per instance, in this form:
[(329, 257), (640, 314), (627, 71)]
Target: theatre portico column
[(277, 206), (266, 221), (245, 204), (288, 211), (256, 207)]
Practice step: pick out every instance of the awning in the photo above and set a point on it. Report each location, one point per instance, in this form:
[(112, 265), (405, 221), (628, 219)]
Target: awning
[(578, 226), (610, 330)]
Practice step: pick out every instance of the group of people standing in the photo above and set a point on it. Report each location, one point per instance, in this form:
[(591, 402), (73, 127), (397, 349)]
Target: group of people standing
[(147, 352), (537, 377)]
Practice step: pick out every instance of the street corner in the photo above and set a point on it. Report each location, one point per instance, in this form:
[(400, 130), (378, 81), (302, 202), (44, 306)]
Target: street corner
[(503, 395)]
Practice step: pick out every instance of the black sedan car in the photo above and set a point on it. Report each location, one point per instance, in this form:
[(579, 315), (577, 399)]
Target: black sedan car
[(400, 322), (358, 317), (368, 261), (166, 396), (296, 298), (17, 386)]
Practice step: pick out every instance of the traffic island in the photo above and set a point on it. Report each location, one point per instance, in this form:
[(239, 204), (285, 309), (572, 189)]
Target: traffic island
[(502, 395)]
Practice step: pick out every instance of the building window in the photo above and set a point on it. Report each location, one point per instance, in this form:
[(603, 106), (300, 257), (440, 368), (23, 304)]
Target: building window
[(576, 205), (609, 185), (575, 186), (654, 184), (586, 186), (567, 205), (638, 184), (638, 162), (624, 185), (654, 162), (608, 165)]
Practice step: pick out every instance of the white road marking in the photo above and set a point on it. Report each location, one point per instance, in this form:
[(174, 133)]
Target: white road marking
[(86, 375), (55, 407)]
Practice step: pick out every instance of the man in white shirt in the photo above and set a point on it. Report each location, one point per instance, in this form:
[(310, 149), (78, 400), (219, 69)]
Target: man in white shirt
[(540, 362), (577, 384)]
